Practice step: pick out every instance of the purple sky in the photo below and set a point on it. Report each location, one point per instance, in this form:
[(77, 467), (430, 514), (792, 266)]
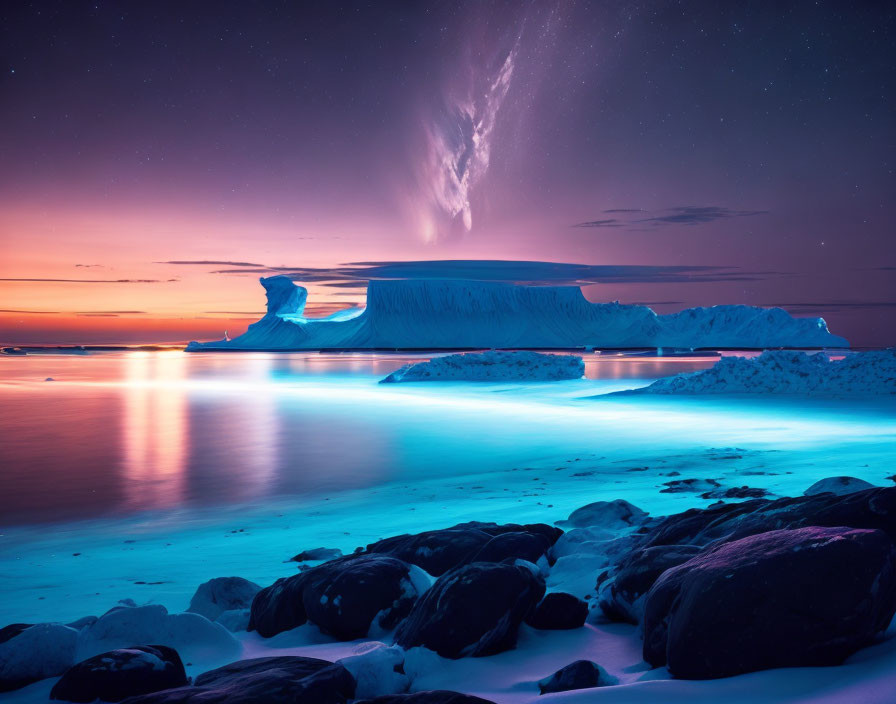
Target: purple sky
[(650, 139)]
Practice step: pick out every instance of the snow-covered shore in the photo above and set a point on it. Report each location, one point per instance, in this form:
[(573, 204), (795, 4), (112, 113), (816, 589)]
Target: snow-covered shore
[(788, 372), (596, 539)]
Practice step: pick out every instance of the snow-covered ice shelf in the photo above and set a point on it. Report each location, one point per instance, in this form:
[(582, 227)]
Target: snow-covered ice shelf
[(445, 314), (492, 366)]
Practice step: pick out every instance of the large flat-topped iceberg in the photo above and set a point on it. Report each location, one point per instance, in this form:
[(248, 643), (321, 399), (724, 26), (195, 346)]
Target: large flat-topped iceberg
[(492, 366), (787, 372), (447, 314)]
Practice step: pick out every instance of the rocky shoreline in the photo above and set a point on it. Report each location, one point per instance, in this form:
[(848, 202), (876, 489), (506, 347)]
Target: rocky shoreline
[(716, 592)]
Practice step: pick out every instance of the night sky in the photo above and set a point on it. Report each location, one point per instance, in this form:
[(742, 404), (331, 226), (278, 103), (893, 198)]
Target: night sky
[(156, 158)]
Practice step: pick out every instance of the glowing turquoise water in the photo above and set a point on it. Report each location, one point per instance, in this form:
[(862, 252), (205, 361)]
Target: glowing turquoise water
[(116, 433)]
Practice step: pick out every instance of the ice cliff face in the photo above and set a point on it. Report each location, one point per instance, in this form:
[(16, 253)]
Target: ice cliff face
[(444, 314)]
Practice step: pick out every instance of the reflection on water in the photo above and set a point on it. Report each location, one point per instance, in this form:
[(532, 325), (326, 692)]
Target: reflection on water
[(132, 431), (155, 430)]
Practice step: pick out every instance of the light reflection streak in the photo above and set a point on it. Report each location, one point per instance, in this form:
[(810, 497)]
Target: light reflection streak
[(156, 428)]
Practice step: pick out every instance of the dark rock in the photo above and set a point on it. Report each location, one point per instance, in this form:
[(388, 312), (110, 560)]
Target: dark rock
[(786, 598), (677, 486), (558, 611), (735, 492), (12, 630), (623, 598), (274, 680), (316, 554), (582, 674), (522, 546), (872, 508), (550, 532), (838, 485), (474, 609), (439, 696), (438, 551), (222, 594), (122, 673), (341, 597), (279, 607)]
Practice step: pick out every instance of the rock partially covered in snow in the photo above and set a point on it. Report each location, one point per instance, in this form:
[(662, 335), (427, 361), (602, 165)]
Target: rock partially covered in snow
[(345, 598), (838, 485), (348, 597), (786, 598), (787, 372), (222, 594), (193, 636), (611, 515), (438, 551), (286, 679), (122, 673), (622, 598), (492, 366), (558, 611), (317, 555), (31, 653), (493, 529), (872, 508), (515, 546), (438, 696), (472, 610), (582, 674)]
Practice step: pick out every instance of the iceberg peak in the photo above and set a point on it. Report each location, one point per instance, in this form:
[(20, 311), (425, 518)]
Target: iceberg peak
[(284, 296)]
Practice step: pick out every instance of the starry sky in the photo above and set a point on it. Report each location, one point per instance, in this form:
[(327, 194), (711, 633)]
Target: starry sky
[(158, 157)]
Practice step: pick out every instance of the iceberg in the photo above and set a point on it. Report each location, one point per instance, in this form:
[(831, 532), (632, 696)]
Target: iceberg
[(492, 366), (452, 314), (787, 372)]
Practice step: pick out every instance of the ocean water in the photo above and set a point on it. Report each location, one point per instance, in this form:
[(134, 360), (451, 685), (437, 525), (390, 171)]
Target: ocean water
[(122, 432)]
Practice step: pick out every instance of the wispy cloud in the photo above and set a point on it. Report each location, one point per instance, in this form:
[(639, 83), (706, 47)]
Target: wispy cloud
[(10, 311), (686, 215), (94, 281), (82, 313), (458, 150), (696, 215), (609, 222), (210, 262)]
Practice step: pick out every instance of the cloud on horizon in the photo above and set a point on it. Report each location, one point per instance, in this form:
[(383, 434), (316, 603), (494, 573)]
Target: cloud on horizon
[(208, 262), (357, 274), (94, 281)]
